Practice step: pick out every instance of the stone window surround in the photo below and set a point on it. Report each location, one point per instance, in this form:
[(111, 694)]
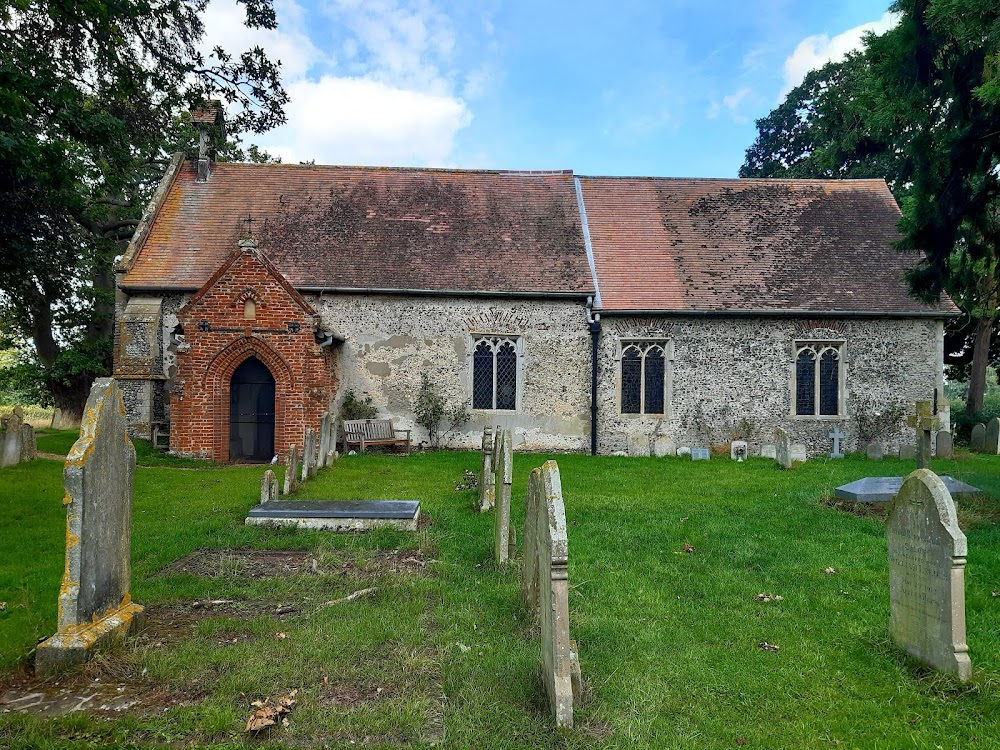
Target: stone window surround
[(518, 341), (668, 368), (819, 346)]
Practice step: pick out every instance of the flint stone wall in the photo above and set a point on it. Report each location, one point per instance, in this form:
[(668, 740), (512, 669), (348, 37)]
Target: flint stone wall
[(727, 369)]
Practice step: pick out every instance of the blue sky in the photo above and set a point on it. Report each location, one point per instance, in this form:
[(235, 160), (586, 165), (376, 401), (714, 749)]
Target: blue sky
[(625, 87)]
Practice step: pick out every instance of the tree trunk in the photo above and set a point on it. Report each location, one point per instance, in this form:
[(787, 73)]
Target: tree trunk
[(70, 398), (980, 361)]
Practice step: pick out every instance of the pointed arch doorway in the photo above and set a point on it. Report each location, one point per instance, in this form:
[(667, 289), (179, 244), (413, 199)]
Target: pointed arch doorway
[(251, 412)]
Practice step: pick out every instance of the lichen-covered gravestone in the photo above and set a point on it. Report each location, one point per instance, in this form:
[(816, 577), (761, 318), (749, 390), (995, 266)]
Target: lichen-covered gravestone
[(324, 440), (664, 446), (545, 588), (638, 444), (29, 447), (291, 470), (927, 553), (944, 445), (268, 487), (875, 452), (95, 604), (10, 438), (978, 439), (502, 531), (487, 475), (992, 443), (309, 454), (782, 449)]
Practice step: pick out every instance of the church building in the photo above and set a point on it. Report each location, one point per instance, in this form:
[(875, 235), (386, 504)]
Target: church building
[(574, 310)]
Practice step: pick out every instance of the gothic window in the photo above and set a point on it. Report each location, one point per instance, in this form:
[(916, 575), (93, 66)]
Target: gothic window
[(818, 379), (644, 378), (496, 363)]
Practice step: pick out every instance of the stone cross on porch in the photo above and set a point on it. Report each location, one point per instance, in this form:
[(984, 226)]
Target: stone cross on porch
[(836, 435), (923, 421)]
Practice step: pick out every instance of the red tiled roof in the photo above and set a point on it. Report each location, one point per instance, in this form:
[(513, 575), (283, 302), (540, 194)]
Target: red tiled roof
[(371, 228), (748, 245)]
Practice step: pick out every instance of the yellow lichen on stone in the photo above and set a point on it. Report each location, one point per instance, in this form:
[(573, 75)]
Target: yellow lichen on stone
[(84, 445), (67, 499)]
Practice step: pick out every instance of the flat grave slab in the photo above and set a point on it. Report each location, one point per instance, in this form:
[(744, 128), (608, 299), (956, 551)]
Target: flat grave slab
[(883, 489), (337, 515)]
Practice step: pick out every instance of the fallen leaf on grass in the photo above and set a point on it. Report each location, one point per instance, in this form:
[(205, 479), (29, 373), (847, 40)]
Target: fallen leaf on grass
[(280, 636), (740, 741), (267, 713), (762, 597), (688, 548), (684, 519), (992, 593), (3, 605), (463, 648), (831, 571), (765, 646)]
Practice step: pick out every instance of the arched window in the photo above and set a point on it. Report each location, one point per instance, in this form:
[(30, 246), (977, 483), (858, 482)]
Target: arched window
[(818, 379), (495, 373), (643, 378), (249, 309)]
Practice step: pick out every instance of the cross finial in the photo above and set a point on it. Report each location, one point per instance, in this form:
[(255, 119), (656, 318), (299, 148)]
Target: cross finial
[(249, 220)]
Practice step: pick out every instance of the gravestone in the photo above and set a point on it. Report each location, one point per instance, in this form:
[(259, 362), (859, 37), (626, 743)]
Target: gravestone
[(797, 452), (836, 436), (923, 421), (487, 476), (95, 605), (768, 451), (875, 452), (944, 445), (684, 450), (977, 442), (907, 452), (56, 422), (309, 455), (700, 454), (738, 450), (927, 553), (10, 439), (664, 446), (291, 470), (991, 444), (545, 588), (268, 487), (782, 450), (324, 440), (29, 448), (638, 444), (505, 477)]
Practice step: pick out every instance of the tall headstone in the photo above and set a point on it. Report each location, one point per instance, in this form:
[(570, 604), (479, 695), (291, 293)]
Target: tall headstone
[(782, 449), (927, 553), (923, 421), (291, 470), (977, 442), (638, 444), (29, 447), (945, 446), (268, 487), (95, 604), (545, 585), (991, 444), (324, 440), (309, 454), (10, 438), (505, 477), (487, 475)]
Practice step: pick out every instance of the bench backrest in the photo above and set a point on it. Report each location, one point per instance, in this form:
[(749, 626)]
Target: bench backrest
[(369, 429)]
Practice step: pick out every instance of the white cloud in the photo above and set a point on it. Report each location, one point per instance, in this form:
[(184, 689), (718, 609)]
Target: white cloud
[(733, 104), (817, 50), (361, 121)]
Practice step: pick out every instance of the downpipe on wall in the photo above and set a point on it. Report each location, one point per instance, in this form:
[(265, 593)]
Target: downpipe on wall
[(594, 322)]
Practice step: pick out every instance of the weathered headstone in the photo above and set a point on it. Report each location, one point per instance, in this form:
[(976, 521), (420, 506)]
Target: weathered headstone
[(977, 441), (701, 454), (684, 450), (29, 448), (797, 452), (309, 454), (927, 553), (738, 450), (664, 446), (56, 422), (875, 452), (907, 452), (324, 440), (95, 604), (487, 475), (268, 487), (782, 449), (545, 587), (768, 451), (836, 436), (637, 444), (505, 477), (991, 444), (291, 470), (923, 421), (10, 439), (944, 445)]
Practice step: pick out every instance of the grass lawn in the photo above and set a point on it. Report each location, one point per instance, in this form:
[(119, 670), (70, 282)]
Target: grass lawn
[(441, 653)]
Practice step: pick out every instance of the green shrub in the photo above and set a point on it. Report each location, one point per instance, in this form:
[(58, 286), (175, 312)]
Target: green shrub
[(356, 408)]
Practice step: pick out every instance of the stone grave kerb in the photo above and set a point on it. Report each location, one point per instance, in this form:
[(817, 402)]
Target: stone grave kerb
[(927, 556)]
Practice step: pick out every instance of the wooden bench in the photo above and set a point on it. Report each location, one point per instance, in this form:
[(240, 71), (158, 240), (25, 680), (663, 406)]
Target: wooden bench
[(366, 432)]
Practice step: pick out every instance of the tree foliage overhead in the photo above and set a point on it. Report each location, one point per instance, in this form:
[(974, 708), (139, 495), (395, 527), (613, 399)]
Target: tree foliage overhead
[(91, 100)]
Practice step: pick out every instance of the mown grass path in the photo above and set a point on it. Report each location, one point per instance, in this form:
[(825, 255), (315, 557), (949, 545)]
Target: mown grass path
[(442, 653)]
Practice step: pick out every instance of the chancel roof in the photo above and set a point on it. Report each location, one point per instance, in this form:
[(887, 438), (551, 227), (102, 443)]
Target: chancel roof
[(739, 245), (371, 228)]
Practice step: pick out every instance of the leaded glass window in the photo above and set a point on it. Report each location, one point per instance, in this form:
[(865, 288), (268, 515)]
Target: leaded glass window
[(818, 379), (495, 373), (643, 378)]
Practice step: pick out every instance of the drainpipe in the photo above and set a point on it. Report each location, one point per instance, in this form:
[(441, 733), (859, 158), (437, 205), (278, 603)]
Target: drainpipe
[(594, 322)]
